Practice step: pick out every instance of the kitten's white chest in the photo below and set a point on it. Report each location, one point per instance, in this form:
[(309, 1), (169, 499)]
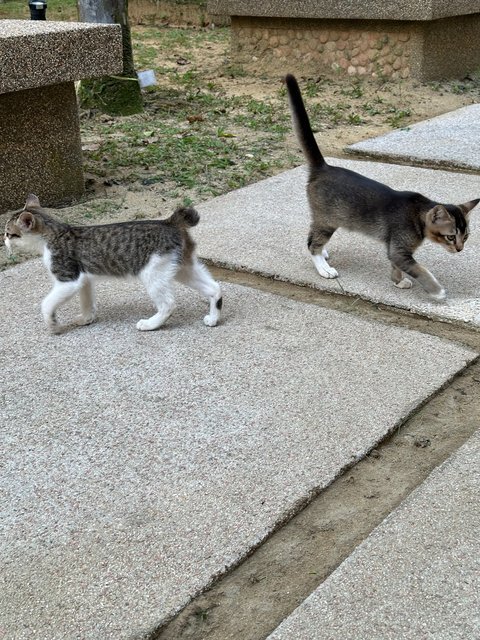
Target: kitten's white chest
[(47, 258)]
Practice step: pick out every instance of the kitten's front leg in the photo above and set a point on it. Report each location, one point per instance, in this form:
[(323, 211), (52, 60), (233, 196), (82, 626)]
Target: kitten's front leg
[(398, 279), (404, 261), (61, 293), (317, 240)]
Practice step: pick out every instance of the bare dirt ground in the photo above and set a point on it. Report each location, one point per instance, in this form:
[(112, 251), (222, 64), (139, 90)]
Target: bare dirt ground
[(209, 127)]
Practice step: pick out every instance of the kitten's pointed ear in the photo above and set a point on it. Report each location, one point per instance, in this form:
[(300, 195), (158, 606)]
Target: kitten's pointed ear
[(438, 215), (32, 201), (26, 221), (466, 207)]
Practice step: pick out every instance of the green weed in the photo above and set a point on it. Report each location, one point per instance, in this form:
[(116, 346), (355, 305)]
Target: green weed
[(397, 117), (355, 91), (354, 118)]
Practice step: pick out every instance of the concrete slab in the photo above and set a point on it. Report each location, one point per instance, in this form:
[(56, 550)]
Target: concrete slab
[(139, 466), (38, 53), (345, 9), (416, 576), (263, 229), (451, 140)]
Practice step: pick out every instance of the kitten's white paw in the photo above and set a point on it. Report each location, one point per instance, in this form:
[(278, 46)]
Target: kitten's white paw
[(86, 319), (323, 268), (440, 296), (404, 284), (146, 325), (327, 271), (210, 321), (325, 254)]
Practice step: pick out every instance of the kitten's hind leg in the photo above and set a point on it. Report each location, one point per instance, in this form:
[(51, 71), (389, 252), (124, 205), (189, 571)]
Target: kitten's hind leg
[(317, 240), (87, 302), (399, 280), (61, 293), (157, 277), (195, 275)]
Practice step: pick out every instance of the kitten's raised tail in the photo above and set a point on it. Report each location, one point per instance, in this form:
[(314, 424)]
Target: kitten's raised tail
[(185, 216), (301, 124)]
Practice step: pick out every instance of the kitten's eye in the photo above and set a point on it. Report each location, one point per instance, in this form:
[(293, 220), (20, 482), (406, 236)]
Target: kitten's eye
[(450, 238)]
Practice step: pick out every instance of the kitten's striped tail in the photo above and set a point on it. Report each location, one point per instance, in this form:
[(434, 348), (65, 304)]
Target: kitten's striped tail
[(185, 216), (301, 124)]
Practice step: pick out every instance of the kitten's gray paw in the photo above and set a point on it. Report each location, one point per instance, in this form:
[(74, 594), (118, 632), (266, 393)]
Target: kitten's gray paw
[(53, 326), (404, 284), (440, 296), (57, 329)]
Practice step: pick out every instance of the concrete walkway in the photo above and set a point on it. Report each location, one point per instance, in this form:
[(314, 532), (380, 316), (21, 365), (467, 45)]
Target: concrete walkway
[(416, 576), (137, 467), (451, 140), (263, 229)]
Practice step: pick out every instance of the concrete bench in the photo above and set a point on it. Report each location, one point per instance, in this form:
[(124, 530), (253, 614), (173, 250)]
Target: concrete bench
[(40, 148), (426, 40)]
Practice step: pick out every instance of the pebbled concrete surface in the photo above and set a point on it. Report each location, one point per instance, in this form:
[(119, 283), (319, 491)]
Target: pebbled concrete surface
[(452, 139), (349, 9), (416, 576), (38, 53), (263, 229), (136, 466)]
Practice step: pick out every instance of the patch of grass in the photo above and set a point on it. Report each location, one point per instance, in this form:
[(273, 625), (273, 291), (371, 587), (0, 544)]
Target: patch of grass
[(459, 87), (397, 117), (235, 71), (263, 116), (468, 84), (185, 141), (331, 114), (56, 10), (372, 108), (354, 118), (354, 91), (99, 209), (145, 56), (311, 88)]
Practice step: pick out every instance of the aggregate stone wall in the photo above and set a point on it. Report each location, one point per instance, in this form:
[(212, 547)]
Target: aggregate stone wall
[(372, 48)]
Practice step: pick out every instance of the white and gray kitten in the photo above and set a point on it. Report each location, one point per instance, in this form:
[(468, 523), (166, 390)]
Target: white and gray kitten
[(157, 252)]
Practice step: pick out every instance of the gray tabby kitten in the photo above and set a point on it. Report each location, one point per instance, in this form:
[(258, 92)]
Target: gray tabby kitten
[(155, 251), (402, 219)]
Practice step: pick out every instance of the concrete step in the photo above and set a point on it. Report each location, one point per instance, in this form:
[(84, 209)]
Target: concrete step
[(416, 576), (449, 140), (140, 466)]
